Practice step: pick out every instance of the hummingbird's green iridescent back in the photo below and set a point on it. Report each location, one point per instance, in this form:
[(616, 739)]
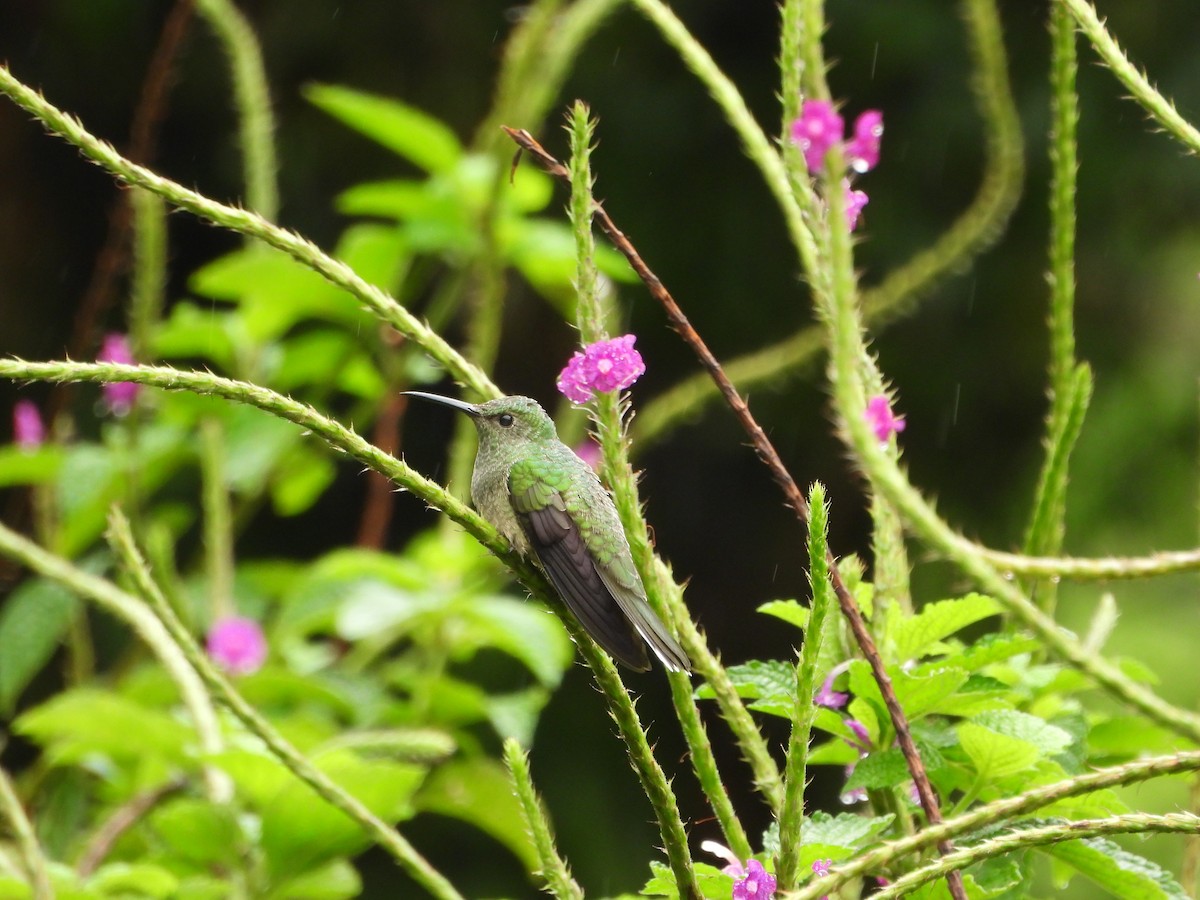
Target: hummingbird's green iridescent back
[(549, 504)]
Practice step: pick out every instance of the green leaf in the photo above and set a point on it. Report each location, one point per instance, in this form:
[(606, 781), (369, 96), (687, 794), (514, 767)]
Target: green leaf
[(770, 684), (86, 721), (191, 331), (712, 881), (879, 770), (1116, 870), (119, 879), (788, 610), (301, 831), (993, 648), (201, 833), (334, 881), (303, 476), (844, 829), (403, 129), (1049, 739), (34, 466), (527, 631), (32, 621), (478, 791), (919, 635), (1005, 742)]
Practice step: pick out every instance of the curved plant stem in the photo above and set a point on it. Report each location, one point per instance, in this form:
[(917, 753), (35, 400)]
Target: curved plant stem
[(766, 773), (972, 233), (654, 781), (1160, 109), (1139, 823), (256, 123), (554, 869), (383, 834), (32, 856), (249, 223), (143, 623), (997, 812), (1070, 383), (791, 816), (1165, 562)]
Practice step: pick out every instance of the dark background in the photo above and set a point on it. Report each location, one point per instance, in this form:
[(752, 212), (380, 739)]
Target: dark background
[(968, 365)]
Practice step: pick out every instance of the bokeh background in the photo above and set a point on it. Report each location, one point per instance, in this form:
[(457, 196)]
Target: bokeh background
[(968, 364)]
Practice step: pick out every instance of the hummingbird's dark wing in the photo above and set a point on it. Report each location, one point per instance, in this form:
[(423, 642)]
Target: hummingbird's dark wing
[(598, 582)]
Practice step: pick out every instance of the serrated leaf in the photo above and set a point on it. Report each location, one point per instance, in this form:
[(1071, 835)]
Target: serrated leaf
[(878, 771), (32, 621), (844, 829), (759, 679), (711, 881), (1117, 871), (996, 755), (405, 130), (1050, 740), (993, 648), (914, 636)]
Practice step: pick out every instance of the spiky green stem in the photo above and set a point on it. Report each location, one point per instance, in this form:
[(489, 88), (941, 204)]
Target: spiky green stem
[(249, 223), (1158, 107), (256, 123), (126, 608), (996, 812), (554, 871), (973, 232), (387, 837), (607, 417), (1137, 823), (32, 857), (791, 815)]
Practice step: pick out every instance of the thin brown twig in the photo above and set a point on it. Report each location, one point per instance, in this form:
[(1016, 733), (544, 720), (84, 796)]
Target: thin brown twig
[(123, 818), (770, 457)]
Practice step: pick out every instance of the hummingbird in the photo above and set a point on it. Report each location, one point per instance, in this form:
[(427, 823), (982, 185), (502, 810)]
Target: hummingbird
[(549, 504)]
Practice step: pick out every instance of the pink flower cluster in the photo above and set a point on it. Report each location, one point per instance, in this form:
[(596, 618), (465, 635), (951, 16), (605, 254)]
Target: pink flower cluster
[(28, 430), (601, 367), (820, 128), (119, 396), (751, 880), (237, 645)]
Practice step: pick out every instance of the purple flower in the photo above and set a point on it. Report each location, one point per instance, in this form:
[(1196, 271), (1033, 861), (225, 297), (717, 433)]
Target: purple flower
[(863, 742), (757, 885), (862, 151), (237, 645), (589, 452), (827, 696), (883, 421), (752, 881), (28, 430), (818, 129), (854, 203), (858, 795), (119, 395), (604, 366)]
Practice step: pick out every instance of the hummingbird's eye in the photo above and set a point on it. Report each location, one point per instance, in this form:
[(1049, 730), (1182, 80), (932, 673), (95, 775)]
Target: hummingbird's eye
[(506, 421)]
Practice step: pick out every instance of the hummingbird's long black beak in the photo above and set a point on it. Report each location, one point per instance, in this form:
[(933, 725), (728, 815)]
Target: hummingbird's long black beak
[(469, 408)]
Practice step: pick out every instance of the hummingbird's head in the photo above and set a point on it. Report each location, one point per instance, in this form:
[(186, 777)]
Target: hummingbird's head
[(505, 421), (512, 420)]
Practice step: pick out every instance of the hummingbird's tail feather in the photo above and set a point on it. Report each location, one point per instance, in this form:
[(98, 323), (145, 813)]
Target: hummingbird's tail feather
[(647, 624), (563, 555)]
